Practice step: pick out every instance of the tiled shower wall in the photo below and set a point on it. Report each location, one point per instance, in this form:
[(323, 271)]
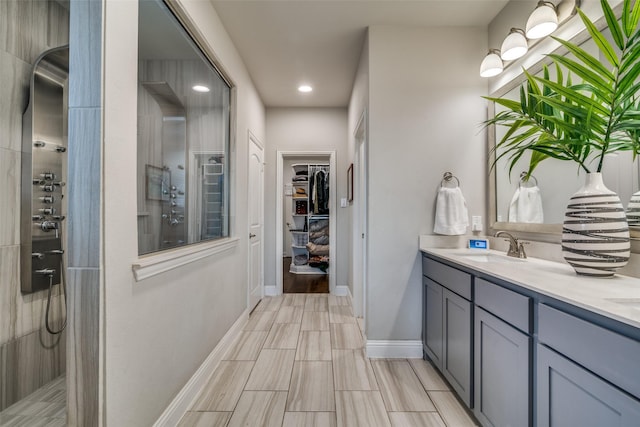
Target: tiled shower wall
[(29, 356)]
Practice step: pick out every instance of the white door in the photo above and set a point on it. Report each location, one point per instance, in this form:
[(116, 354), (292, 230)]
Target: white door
[(256, 220)]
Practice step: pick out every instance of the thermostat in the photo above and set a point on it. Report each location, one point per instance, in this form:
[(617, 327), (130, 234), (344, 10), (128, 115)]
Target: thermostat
[(478, 244)]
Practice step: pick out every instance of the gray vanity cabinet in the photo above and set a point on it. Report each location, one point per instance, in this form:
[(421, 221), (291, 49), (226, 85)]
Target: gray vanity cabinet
[(502, 356), (502, 366), (447, 325), (432, 327), (569, 395), (456, 344), (587, 375)]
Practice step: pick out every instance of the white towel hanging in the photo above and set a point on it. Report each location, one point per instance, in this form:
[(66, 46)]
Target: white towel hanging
[(452, 217), (526, 206)]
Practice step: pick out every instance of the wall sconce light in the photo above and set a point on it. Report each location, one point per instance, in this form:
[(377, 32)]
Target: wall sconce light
[(514, 46), (491, 64), (542, 21)]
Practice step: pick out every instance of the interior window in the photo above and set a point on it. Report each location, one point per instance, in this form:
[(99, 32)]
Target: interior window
[(183, 137)]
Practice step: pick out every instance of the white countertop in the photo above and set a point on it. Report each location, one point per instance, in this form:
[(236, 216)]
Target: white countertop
[(556, 280)]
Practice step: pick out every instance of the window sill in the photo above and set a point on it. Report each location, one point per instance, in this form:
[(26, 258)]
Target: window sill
[(153, 265)]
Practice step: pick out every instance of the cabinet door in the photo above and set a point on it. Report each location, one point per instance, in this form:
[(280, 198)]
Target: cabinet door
[(501, 360), (569, 396), (432, 317), (456, 362)]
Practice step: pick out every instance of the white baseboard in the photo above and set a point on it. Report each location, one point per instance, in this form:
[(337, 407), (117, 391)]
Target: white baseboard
[(181, 403), (342, 291), (397, 349), (271, 291)]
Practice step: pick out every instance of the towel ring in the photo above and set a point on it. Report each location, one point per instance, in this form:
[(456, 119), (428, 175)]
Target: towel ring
[(523, 175), (447, 177)]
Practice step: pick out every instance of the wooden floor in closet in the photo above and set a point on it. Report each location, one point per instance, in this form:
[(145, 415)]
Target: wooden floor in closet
[(303, 283)]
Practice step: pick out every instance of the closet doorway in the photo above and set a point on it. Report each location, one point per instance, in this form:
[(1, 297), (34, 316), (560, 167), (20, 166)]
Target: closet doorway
[(305, 222)]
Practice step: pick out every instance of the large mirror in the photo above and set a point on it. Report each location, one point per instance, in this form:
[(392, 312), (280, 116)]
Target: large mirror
[(538, 204)]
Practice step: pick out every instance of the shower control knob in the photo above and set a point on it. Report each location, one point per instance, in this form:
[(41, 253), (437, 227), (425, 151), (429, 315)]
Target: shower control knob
[(165, 216), (47, 188), (47, 211), (56, 252), (60, 184), (39, 144), (37, 217), (37, 255), (47, 199), (48, 225), (48, 176), (173, 203), (173, 195), (46, 272), (58, 217), (174, 222), (38, 181), (61, 149)]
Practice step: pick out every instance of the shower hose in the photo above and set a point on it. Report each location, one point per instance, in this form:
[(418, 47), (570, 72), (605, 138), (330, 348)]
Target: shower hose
[(63, 283)]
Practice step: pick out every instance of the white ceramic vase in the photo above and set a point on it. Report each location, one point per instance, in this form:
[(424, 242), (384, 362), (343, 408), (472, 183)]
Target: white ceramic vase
[(633, 210), (595, 234)]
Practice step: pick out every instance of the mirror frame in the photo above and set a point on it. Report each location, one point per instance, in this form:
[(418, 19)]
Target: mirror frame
[(548, 230)]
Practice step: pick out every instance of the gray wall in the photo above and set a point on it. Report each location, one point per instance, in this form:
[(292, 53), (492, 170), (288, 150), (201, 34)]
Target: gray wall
[(425, 108), (306, 129), (29, 27), (158, 331)]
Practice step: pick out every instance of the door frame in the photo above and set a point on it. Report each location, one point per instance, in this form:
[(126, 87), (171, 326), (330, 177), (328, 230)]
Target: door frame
[(280, 156), (359, 218), (250, 140)]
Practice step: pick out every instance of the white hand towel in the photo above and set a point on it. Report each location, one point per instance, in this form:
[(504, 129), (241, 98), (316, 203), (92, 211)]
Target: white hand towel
[(526, 206), (452, 217)]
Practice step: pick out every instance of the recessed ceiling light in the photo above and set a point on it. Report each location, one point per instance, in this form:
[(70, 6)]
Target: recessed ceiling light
[(305, 88), (200, 88)]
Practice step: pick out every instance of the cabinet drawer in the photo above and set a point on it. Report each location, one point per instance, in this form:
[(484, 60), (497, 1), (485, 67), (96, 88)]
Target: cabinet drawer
[(510, 306), (455, 280), (612, 356)]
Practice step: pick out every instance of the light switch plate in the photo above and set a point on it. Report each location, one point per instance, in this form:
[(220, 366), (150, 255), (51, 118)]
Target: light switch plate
[(343, 202)]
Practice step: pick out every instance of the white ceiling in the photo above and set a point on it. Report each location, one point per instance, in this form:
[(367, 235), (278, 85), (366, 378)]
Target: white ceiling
[(288, 42)]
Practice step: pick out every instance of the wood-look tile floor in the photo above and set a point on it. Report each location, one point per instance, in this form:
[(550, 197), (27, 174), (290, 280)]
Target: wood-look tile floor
[(300, 361), (45, 407)]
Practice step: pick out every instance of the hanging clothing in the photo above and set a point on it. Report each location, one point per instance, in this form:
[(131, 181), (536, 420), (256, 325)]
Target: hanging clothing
[(319, 185), (526, 206), (452, 216)]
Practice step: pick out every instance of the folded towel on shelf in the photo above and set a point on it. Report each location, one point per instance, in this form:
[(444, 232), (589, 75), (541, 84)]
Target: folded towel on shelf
[(320, 240), (318, 225), (452, 217), (526, 206), (317, 249)]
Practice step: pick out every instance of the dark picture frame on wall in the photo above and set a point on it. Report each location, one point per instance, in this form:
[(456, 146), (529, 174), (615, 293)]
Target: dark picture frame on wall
[(350, 183)]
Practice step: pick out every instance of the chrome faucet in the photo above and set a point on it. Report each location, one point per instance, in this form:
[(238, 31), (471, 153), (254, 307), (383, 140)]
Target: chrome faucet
[(516, 249)]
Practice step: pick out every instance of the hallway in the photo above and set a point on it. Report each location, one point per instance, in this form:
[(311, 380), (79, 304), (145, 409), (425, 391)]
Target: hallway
[(300, 362)]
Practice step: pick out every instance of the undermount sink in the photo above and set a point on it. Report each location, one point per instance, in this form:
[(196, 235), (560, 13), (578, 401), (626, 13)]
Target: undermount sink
[(490, 257), (628, 302)]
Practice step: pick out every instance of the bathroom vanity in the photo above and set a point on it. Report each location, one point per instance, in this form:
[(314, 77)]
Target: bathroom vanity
[(530, 343)]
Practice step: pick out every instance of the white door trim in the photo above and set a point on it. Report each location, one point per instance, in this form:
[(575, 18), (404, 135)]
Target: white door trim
[(280, 155), (359, 218), (251, 138)]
